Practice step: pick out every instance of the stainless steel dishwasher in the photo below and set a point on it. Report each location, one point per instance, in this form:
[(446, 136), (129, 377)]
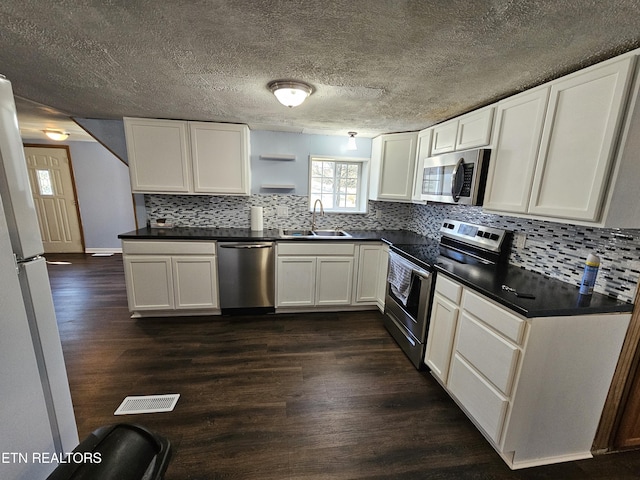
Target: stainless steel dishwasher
[(246, 277)]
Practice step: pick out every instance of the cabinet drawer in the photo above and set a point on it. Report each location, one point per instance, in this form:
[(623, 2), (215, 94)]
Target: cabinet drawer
[(449, 289), (496, 317), (483, 403), (314, 248), (493, 356), (154, 247)]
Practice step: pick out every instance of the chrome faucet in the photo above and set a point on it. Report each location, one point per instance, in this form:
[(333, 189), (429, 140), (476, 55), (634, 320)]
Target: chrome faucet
[(313, 216)]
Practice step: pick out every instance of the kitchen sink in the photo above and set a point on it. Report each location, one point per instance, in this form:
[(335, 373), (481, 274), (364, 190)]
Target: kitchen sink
[(286, 233), (296, 233), (330, 233)]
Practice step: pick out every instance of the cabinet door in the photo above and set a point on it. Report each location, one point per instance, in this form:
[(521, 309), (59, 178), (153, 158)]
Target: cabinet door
[(296, 281), (367, 284), (382, 277), (578, 142), (220, 156), (424, 151), (486, 405), (474, 129), (444, 137), (195, 282), (158, 152), (334, 279), (149, 282), (397, 166), (442, 328), (513, 158)]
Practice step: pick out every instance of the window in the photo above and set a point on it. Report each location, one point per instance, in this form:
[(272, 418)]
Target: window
[(44, 182), (340, 183)]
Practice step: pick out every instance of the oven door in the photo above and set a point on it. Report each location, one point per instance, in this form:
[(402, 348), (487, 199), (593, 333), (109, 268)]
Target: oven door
[(408, 321)]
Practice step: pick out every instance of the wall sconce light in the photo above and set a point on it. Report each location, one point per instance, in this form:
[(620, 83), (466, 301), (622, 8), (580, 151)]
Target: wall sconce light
[(290, 93), (56, 135), (351, 143)]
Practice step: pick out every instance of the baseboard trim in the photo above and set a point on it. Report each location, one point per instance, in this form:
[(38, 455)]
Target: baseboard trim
[(103, 250)]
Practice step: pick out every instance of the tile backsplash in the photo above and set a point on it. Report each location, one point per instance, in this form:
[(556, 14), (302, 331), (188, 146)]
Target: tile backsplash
[(553, 249)]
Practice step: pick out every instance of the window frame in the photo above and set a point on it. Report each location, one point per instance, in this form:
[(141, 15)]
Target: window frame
[(362, 194)]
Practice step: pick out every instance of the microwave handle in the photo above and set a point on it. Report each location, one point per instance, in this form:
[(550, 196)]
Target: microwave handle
[(456, 189)]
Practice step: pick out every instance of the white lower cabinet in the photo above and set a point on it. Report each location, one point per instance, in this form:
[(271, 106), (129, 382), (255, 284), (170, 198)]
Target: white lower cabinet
[(149, 282), (162, 277), (334, 279), (195, 282), (442, 328), (372, 264), (483, 402), (296, 284), (318, 275), (311, 274), (535, 387)]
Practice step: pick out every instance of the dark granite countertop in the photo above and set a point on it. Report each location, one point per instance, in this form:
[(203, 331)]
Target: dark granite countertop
[(201, 233), (245, 234), (552, 297)]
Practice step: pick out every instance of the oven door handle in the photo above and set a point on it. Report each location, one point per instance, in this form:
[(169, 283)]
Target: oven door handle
[(421, 273), (456, 184)]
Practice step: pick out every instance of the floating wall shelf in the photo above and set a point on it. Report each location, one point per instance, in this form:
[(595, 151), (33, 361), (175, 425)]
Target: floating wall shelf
[(277, 156), (280, 186)]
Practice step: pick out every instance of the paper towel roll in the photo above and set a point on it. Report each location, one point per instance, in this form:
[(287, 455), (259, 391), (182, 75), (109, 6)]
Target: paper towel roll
[(256, 218)]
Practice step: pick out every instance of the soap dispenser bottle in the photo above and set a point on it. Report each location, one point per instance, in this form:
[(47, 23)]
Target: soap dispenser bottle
[(591, 267)]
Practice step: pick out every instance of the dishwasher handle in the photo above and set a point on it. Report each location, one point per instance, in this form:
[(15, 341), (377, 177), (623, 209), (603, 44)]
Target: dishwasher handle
[(240, 245)]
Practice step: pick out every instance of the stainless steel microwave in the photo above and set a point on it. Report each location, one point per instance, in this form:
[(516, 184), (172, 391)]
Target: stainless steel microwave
[(457, 177)]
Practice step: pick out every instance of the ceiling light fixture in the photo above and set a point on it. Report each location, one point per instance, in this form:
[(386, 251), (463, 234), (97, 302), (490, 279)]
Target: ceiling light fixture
[(290, 93), (351, 143), (56, 135)]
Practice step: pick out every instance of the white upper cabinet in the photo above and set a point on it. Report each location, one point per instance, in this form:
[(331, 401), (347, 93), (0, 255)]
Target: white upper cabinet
[(393, 159), (171, 156), (218, 153), (578, 142), (159, 157), (474, 129), (424, 151), (471, 130), (444, 137), (517, 132), (567, 150)]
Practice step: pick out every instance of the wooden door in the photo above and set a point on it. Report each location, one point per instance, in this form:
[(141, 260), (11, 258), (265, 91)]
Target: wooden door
[(628, 434), (54, 194)]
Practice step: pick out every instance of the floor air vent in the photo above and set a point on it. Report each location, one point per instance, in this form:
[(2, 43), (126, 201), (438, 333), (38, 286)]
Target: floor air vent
[(147, 404)]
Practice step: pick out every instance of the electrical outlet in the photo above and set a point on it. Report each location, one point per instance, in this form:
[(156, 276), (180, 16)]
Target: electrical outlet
[(282, 211), (519, 239), (378, 214)]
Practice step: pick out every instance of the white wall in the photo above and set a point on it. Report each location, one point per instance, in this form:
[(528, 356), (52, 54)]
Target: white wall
[(104, 195)]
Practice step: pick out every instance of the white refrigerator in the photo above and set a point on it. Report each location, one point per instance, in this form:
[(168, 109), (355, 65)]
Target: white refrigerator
[(37, 422)]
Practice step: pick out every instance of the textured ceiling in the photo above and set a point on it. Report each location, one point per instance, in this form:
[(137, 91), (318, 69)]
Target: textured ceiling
[(376, 66)]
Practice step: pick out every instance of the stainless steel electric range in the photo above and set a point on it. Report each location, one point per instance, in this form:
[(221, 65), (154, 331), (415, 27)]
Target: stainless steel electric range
[(410, 281)]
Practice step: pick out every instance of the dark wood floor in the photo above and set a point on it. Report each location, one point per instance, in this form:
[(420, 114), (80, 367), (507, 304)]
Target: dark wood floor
[(309, 396)]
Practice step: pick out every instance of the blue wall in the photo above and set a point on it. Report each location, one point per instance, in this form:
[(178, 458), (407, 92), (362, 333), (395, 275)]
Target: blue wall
[(295, 172)]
